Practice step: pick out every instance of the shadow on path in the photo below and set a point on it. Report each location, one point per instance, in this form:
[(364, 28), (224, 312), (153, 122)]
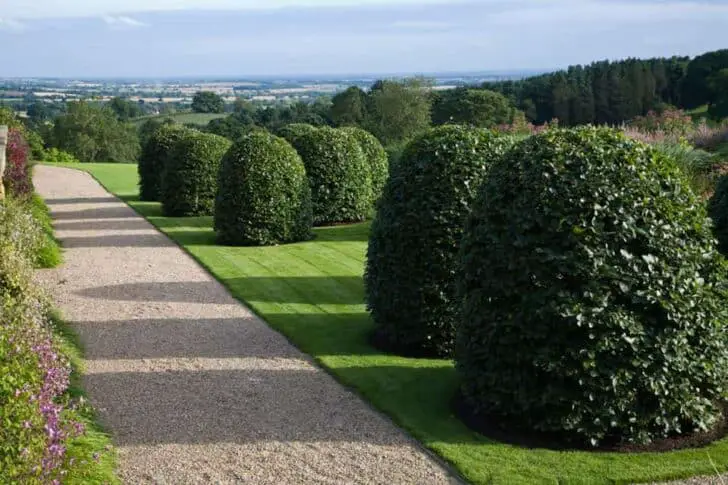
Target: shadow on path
[(170, 338), (232, 406)]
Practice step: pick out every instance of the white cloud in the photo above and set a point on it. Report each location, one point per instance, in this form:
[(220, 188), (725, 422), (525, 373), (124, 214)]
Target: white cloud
[(579, 13), (122, 22), (25, 9), (11, 25), (421, 25)]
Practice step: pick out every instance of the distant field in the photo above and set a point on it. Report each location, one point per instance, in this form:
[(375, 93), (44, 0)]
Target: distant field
[(194, 118)]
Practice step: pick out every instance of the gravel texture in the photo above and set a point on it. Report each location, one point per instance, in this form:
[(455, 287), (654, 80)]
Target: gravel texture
[(191, 385)]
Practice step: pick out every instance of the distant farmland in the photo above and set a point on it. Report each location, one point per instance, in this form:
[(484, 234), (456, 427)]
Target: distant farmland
[(182, 118)]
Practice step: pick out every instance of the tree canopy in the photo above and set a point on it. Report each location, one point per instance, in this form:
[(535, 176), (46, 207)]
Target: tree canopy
[(93, 133), (207, 102)]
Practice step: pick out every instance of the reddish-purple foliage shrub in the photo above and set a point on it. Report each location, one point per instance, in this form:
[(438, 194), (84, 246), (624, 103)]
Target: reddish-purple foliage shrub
[(521, 126), (17, 177), (670, 122), (710, 137)]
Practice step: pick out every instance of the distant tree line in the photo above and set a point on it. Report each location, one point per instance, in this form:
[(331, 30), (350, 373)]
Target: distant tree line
[(613, 92)]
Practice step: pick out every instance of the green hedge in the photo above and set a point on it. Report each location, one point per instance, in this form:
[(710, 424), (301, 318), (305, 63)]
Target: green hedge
[(594, 297), (339, 175), (375, 155), (294, 131), (189, 184), (414, 240), (155, 151), (718, 210), (264, 197)]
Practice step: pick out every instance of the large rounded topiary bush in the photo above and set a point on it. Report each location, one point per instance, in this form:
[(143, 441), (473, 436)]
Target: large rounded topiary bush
[(593, 299), (375, 155), (189, 184), (294, 131), (155, 151), (413, 245), (339, 174), (264, 197), (718, 210)]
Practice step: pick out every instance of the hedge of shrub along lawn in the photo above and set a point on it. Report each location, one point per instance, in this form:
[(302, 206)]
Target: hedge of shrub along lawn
[(155, 151), (595, 300), (191, 171), (264, 197), (339, 175), (718, 210), (375, 155), (413, 246), (294, 131), (45, 437)]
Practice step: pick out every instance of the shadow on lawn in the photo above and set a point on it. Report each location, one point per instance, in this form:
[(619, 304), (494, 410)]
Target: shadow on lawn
[(353, 232)]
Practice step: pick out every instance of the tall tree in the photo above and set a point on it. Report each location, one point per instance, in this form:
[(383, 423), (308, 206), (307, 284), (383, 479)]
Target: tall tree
[(207, 102), (348, 108), (125, 109), (398, 111), (94, 134), (477, 107)]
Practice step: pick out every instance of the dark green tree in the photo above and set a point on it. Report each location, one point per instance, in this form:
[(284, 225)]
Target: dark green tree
[(207, 102), (125, 109), (398, 111), (93, 133), (348, 108), (698, 87), (476, 107)]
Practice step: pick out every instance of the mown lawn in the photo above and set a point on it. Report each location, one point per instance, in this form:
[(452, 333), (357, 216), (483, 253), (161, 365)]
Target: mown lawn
[(313, 293)]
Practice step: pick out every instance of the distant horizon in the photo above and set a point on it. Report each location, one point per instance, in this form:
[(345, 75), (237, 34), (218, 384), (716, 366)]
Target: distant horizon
[(294, 77)]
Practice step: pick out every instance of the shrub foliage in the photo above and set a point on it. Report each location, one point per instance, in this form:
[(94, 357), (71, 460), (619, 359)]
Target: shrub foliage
[(413, 246), (294, 131), (264, 197), (718, 210), (191, 170), (37, 424), (17, 177), (339, 175), (593, 298), (375, 155), (155, 152)]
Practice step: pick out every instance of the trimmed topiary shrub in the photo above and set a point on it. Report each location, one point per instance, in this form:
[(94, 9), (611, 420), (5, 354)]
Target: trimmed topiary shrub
[(414, 240), (189, 183), (339, 175), (375, 155), (18, 171), (264, 197), (594, 300), (718, 210), (153, 159), (294, 131)]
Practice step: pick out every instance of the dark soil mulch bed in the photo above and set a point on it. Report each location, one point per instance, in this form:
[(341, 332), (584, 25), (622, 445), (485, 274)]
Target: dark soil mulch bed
[(497, 429)]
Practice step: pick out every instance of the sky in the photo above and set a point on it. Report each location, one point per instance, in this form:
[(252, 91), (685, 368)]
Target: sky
[(208, 38)]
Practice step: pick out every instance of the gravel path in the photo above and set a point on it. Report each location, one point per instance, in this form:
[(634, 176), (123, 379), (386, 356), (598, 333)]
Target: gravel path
[(192, 386)]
